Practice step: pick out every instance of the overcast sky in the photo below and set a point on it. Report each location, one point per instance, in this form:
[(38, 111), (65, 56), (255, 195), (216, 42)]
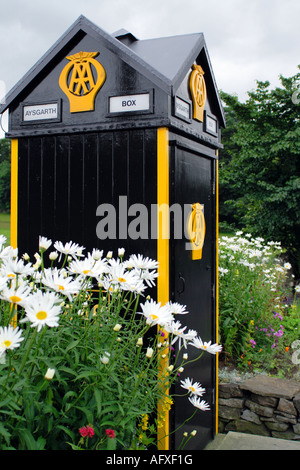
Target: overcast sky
[(247, 40)]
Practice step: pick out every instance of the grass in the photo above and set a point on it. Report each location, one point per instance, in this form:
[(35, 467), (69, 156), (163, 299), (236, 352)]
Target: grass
[(5, 226)]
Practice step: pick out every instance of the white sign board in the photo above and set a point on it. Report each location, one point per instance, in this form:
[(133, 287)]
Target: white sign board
[(124, 104), (182, 108), (40, 112), (211, 125)]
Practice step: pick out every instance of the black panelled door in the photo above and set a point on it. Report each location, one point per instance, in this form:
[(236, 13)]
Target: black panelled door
[(192, 284)]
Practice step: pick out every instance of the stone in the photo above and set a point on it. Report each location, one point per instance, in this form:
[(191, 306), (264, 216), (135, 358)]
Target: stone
[(227, 413), (230, 390), (296, 428), (289, 435), (285, 418), (241, 425), (232, 402), (248, 415), (287, 407), (221, 426), (259, 409), (296, 401), (265, 401), (276, 426), (271, 387)]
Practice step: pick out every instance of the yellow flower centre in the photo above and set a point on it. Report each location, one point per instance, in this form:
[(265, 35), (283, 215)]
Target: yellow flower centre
[(60, 287), (192, 389), (6, 343), (41, 315), (11, 275), (153, 317), (121, 279), (86, 271), (15, 299)]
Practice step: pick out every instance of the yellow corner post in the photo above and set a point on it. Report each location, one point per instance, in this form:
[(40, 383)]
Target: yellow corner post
[(14, 194), (163, 258), (14, 205)]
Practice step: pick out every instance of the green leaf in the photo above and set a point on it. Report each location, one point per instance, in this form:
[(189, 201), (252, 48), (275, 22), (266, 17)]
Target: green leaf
[(111, 444), (98, 399), (4, 432)]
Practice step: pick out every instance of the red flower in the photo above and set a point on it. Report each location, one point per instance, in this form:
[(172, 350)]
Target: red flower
[(110, 433), (86, 431)]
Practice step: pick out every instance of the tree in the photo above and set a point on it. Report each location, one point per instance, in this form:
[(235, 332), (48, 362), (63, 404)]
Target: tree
[(262, 164), (4, 175)]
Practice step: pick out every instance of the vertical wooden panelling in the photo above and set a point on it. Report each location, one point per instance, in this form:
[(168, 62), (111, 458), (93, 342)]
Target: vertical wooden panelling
[(62, 196), (48, 208), (76, 188), (34, 190), (63, 179), (89, 196)]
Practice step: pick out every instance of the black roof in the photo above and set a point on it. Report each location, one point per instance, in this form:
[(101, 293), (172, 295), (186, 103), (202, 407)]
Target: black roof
[(166, 60)]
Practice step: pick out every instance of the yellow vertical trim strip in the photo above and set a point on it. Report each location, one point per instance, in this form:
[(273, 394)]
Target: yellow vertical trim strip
[(163, 253), (14, 194), (217, 292), (14, 205)]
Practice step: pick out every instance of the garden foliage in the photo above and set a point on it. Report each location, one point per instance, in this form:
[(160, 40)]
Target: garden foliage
[(256, 317), (81, 363)]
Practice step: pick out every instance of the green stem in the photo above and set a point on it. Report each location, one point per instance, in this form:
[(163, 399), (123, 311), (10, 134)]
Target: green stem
[(179, 427)]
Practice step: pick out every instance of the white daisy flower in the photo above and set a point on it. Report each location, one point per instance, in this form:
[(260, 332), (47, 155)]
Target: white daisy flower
[(82, 267), (56, 280), (42, 309), (16, 295), (10, 338), (177, 309), (11, 268), (201, 404), (100, 268), (97, 254), (120, 278), (9, 253), (44, 244), (69, 249), (148, 276), (194, 388), (208, 347), (155, 314), (3, 240), (139, 262), (175, 328)]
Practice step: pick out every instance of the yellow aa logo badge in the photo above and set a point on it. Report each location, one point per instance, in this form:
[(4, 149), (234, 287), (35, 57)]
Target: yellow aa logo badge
[(196, 230), (81, 79), (198, 92)]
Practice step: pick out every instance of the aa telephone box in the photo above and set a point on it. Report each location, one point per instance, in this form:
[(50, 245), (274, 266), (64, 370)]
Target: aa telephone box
[(112, 121)]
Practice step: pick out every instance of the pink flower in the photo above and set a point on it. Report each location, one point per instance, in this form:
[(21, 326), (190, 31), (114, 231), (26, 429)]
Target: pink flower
[(110, 433), (86, 431)]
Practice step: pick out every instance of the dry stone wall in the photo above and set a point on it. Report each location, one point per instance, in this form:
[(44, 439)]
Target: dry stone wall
[(265, 406)]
